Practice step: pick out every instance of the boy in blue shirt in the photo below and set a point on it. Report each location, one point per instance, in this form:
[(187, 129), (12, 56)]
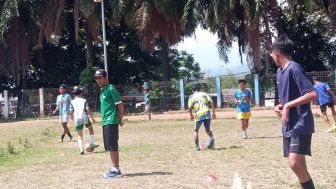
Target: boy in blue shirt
[(147, 102), (295, 93), (63, 106), (325, 98), (242, 99)]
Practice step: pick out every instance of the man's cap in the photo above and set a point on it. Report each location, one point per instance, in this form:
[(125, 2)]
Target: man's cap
[(77, 90), (100, 72)]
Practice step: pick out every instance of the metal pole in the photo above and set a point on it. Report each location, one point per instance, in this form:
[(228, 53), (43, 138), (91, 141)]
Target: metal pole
[(182, 94), (104, 36)]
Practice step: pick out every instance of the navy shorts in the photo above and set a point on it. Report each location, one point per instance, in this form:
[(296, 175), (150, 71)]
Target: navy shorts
[(111, 137), (324, 106), (206, 123), (299, 144)]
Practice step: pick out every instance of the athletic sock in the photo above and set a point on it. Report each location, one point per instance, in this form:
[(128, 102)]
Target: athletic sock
[(116, 169), (91, 139), (308, 185), (80, 144)]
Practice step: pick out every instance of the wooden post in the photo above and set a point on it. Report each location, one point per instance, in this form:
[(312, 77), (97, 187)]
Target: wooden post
[(6, 107)]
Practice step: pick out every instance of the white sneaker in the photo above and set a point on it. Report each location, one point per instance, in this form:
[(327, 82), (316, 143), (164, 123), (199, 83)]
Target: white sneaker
[(244, 135)]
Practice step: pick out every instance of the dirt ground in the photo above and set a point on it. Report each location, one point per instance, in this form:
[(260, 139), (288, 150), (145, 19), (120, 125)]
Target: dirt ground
[(160, 154), (221, 114)]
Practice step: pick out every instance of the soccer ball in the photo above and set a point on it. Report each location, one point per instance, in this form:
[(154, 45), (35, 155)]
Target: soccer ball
[(88, 148)]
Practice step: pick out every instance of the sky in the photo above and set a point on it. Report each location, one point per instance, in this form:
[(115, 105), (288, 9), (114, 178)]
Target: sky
[(203, 47)]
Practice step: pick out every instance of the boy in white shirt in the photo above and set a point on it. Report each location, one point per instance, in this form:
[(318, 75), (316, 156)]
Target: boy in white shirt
[(79, 114)]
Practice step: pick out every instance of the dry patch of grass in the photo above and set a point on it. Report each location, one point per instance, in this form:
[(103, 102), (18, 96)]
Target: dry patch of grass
[(160, 154)]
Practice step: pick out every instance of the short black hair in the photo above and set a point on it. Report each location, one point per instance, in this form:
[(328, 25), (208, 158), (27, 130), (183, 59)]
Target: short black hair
[(316, 78), (242, 81), (195, 87), (284, 45), (63, 86)]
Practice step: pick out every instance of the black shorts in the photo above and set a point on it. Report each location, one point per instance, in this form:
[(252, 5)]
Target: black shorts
[(299, 144), (111, 137), (324, 106)]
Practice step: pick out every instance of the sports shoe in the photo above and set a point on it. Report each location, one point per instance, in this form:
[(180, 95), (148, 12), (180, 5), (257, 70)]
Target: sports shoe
[(330, 130), (210, 144), (93, 146), (70, 138), (60, 140), (198, 148), (112, 174), (82, 152), (244, 135)]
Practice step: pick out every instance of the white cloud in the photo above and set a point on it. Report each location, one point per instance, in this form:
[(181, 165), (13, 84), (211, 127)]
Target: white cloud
[(203, 47)]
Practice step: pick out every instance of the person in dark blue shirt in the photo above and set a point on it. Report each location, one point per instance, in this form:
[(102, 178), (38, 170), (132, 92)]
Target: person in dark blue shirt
[(325, 98), (295, 92)]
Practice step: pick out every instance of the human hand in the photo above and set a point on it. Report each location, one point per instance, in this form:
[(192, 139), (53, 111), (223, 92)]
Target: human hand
[(192, 117), (214, 115), (278, 109), (284, 114)]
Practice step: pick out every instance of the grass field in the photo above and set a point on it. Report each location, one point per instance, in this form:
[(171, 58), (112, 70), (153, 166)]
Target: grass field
[(160, 154)]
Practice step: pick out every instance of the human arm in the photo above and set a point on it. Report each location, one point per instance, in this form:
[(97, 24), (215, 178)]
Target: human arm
[(213, 109), (191, 115), (121, 113), (277, 109), (57, 106), (306, 98), (331, 92), (72, 113), (91, 114), (190, 107)]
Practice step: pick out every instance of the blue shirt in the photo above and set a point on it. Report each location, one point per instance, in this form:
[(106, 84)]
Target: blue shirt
[(324, 96), (243, 102), (146, 99), (292, 84), (63, 102)]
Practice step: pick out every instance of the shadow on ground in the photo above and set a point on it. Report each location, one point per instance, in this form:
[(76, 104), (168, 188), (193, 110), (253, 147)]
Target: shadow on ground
[(147, 174), (264, 137), (230, 147)]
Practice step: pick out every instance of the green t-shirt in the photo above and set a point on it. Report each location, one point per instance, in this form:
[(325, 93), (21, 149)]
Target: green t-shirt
[(109, 99)]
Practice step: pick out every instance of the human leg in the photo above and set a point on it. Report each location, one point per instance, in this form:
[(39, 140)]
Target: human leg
[(297, 162), (80, 141), (296, 148), (111, 137)]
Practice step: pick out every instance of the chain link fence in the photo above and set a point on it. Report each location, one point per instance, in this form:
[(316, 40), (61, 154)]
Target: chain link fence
[(164, 95)]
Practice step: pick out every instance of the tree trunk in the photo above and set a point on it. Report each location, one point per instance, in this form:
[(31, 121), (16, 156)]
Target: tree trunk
[(89, 46), (166, 73)]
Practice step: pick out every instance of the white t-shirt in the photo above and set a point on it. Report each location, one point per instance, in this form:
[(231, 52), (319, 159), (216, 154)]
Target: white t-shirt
[(79, 106)]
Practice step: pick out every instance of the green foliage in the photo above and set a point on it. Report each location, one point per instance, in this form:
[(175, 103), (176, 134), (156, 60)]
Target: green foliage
[(9, 10), (25, 143), (86, 77), (229, 82), (10, 149)]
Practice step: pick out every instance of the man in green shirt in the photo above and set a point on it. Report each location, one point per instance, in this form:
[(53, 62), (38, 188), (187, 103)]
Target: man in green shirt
[(112, 112)]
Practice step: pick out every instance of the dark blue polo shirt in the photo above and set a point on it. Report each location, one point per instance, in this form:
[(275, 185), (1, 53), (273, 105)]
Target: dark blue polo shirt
[(292, 84)]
